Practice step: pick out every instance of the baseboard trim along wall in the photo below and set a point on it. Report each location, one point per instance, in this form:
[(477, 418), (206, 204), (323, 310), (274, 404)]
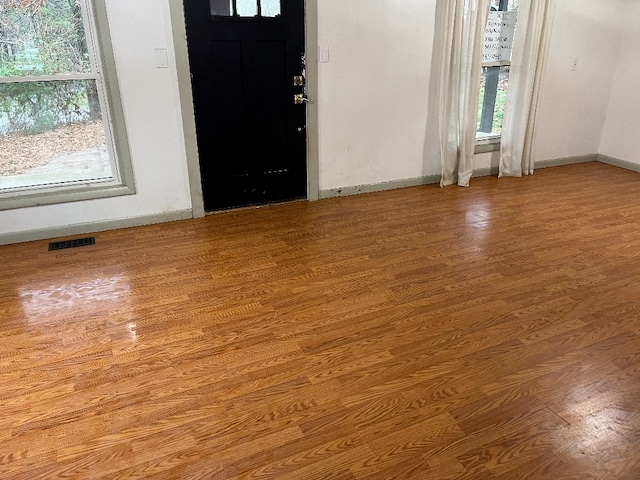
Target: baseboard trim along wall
[(480, 172), (616, 162), (559, 162), (93, 227)]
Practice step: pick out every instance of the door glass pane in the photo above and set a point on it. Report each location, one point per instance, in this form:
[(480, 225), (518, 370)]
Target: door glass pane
[(247, 8), (221, 8), (51, 133), (270, 8), (42, 38)]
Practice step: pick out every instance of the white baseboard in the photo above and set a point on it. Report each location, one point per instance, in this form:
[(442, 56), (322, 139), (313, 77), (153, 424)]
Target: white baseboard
[(431, 179), (92, 227), (559, 162), (616, 162)]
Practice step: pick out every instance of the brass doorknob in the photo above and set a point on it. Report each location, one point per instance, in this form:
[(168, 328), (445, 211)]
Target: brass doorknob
[(300, 98)]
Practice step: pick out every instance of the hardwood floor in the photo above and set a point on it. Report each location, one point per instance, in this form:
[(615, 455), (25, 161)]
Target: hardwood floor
[(491, 332)]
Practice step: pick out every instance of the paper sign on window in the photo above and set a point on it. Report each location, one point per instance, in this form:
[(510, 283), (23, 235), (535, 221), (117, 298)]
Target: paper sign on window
[(498, 37)]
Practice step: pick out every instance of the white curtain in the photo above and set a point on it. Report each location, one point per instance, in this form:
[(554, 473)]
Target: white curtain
[(530, 48), (463, 23)]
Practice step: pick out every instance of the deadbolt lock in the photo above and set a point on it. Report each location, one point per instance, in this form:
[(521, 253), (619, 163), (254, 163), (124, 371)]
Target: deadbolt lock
[(298, 81)]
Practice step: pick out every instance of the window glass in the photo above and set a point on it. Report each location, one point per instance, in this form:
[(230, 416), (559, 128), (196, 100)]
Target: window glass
[(223, 8), (42, 38), (496, 59), (512, 5), (56, 133), (492, 101), (247, 8), (51, 133), (270, 8)]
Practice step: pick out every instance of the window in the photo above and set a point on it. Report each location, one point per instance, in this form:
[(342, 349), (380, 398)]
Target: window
[(57, 132), (496, 60), (245, 8)]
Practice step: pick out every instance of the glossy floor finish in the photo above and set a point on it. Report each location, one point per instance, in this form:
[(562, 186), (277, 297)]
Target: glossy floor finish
[(491, 332)]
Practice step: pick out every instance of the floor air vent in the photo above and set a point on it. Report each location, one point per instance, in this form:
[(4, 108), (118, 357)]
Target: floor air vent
[(78, 242)]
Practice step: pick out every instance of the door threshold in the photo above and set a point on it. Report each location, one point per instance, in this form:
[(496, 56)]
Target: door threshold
[(252, 207)]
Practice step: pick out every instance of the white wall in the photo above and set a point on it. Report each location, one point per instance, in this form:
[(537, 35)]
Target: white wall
[(621, 137), (573, 104), (373, 98), (152, 114), (374, 101)]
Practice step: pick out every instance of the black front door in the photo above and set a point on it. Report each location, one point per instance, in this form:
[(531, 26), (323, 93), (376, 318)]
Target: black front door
[(247, 63)]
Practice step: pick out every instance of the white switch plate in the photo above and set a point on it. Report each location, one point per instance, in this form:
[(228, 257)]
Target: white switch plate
[(323, 54), (161, 57)]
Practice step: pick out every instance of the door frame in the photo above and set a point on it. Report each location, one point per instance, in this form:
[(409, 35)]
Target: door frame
[(178, 27)]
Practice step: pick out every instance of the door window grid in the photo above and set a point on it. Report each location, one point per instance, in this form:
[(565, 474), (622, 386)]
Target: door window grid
[(245, 8)]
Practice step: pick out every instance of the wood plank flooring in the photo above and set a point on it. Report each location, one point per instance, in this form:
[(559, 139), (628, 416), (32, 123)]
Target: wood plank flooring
[(491, 332)]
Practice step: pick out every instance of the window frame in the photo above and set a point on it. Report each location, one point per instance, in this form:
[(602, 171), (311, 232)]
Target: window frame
[(100, 48)]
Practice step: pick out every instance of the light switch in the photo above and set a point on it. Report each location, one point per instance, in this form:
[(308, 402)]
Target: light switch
[(162, 59), (323, 55)]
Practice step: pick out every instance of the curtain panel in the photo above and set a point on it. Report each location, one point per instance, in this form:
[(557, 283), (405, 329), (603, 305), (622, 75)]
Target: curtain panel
[(530, 47), (462, 24)]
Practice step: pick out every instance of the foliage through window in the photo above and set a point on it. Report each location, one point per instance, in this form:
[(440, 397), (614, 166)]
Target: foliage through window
[(54, 125), (496, 61)]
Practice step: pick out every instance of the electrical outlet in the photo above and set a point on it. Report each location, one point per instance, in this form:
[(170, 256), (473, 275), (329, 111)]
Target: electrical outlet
[(161, 58)]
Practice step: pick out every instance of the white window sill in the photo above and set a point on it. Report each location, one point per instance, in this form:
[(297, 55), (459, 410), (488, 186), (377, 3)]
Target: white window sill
[(487, 143)]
